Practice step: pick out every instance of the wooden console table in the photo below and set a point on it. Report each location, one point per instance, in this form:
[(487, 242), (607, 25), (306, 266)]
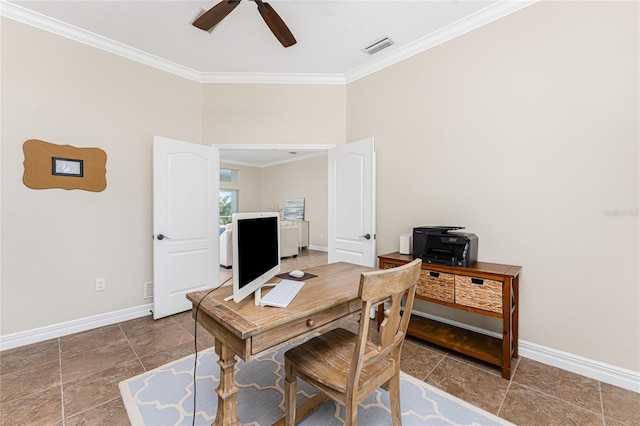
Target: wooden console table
[(484, 288)]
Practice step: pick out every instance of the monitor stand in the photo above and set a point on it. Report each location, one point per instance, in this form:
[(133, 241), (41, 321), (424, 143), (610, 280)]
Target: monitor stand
[(257, 295)]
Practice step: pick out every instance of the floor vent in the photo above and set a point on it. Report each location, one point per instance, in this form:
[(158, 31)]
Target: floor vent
[(148, 290), (378, 45)]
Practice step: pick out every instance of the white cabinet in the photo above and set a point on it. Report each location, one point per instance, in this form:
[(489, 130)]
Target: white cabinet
[(303, 231), (303, 234)]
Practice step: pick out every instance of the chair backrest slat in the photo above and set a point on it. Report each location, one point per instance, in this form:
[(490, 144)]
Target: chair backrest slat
[(385, 286)]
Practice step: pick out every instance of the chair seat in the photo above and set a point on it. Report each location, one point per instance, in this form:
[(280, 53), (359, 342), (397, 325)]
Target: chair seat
[(327, 358), (348, 367)]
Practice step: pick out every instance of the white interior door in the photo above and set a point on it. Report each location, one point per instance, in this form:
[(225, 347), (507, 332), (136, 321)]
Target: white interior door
[(186, 182), (352, 203)]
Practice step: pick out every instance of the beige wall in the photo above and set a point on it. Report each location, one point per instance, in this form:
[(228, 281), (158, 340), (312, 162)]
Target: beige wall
[(301, 179), (55, 242), (526, 132), (280, 114), (273, 114), (267, 188)]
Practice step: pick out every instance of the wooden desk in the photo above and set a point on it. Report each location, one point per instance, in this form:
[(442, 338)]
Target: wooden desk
[(245, 330)]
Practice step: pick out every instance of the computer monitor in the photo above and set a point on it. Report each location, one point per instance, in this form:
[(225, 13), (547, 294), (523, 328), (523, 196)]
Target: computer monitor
[(256, 251)]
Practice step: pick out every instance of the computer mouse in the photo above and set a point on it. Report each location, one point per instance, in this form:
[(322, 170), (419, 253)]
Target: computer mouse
[(296, 273)]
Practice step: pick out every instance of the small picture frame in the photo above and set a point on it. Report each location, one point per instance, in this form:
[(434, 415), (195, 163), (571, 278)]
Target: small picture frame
[(67, 167)]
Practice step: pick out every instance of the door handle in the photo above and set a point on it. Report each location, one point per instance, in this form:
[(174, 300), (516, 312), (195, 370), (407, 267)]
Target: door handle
[(162, 237), (365, 236)]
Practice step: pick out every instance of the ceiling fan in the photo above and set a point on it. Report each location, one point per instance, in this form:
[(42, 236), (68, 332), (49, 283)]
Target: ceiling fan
[(217, 13)]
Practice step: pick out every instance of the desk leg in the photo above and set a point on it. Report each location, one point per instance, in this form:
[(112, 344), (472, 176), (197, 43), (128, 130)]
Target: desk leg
[(227, 413)]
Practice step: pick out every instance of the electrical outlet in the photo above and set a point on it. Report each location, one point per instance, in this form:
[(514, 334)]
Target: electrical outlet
[(101, 284)]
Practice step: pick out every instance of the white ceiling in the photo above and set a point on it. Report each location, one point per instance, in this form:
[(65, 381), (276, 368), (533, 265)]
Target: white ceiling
[(269, 155), (331, 35)]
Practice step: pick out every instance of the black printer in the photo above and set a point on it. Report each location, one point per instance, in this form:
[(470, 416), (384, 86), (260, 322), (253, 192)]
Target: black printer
[(437, 244)]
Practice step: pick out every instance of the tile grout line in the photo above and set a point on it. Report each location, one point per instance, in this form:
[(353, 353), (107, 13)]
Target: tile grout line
[(97, 405), (451, 354), (604, 421), (61, 383), (476, 367), (472, 365), (434, 367), (132, 348), (504, 398), (557, 398), (448, 355)]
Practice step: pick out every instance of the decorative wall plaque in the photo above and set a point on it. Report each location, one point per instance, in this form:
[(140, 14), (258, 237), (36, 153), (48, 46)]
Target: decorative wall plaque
[(47, 165), (294, 209)]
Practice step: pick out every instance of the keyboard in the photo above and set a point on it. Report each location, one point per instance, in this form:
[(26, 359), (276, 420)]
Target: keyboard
[(282, 294)]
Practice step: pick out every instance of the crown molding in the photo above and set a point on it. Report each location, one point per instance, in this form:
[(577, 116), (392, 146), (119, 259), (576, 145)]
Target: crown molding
[(278, 146), (456, 29), (463, 26), (272, 78), (29, 17), (275, 163)]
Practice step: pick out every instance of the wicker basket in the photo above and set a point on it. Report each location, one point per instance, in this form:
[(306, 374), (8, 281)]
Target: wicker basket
[(479, 293), (436, 285)]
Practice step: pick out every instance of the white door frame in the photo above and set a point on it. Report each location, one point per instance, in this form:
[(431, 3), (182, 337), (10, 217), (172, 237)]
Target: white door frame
[(301, 148)]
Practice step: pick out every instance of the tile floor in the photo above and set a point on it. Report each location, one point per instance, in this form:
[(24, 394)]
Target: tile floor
[(73, 380)]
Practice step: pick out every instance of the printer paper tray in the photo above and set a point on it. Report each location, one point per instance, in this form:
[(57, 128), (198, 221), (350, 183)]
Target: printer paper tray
[(439, 261)]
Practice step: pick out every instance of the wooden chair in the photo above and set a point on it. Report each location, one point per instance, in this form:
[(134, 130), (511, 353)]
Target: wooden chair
[(347, 367)]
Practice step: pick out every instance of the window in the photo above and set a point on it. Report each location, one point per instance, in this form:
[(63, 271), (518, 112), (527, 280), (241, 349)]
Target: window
[(229, 175), (228, 204), (228, 197)]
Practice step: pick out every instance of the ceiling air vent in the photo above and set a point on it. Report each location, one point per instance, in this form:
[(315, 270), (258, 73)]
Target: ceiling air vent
[(378, 45)]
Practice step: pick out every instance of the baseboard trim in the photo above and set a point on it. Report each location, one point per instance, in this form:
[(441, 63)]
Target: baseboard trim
[(596, 370), (593, 369), (318, 248), (41, 334)]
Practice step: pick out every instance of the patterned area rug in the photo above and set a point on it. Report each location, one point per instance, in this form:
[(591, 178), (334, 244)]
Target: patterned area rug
[(164, 396)]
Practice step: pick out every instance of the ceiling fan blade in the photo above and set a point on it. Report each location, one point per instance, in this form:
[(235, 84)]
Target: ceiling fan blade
[(276, 24), (213, 16)]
